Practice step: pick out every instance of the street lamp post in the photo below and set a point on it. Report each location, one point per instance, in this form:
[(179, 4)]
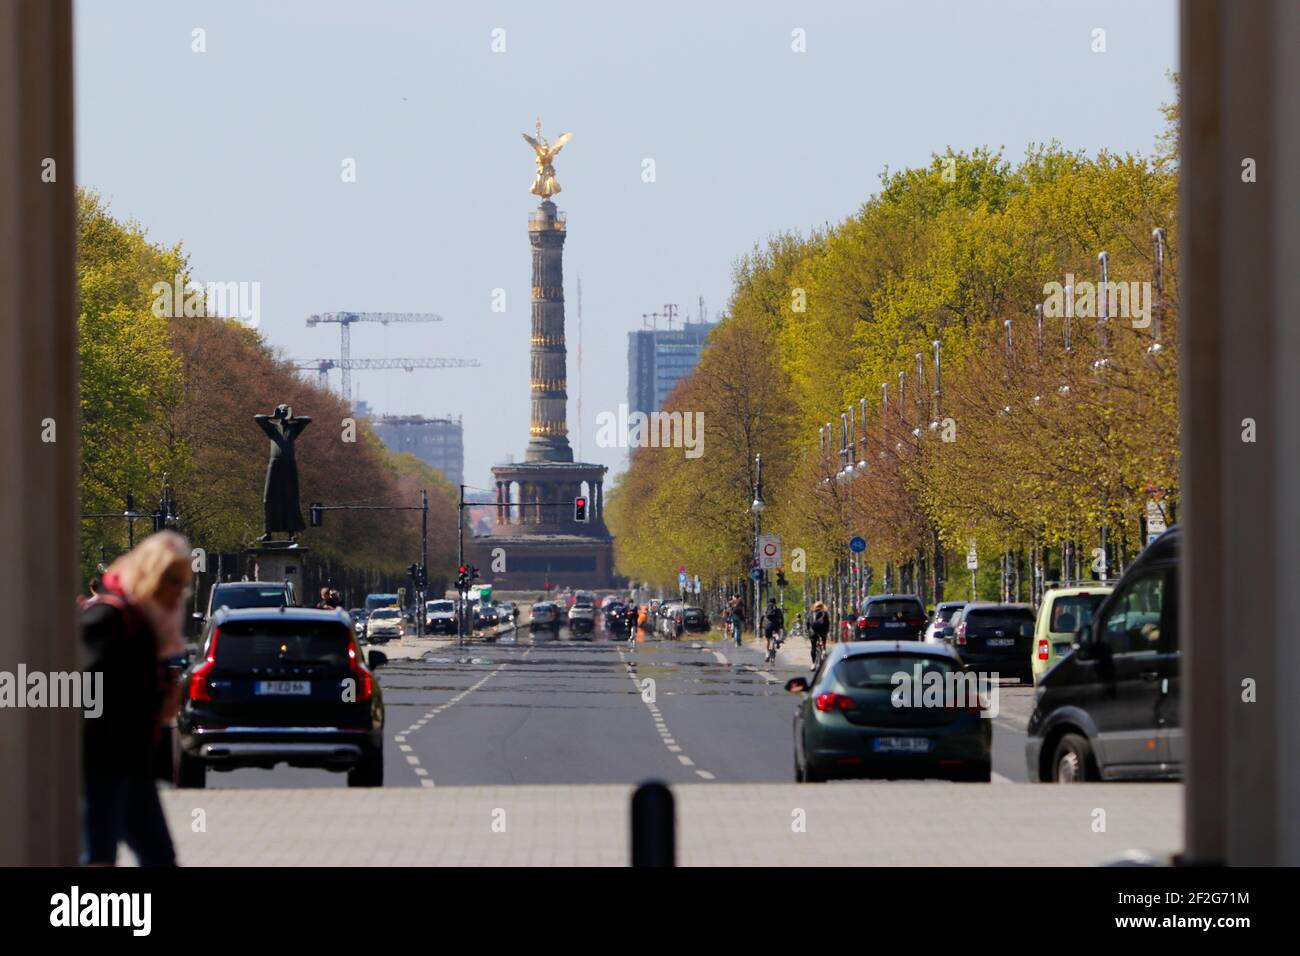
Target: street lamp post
[(757, 510)]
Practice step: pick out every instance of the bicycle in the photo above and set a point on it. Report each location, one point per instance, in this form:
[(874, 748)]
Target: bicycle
[(774, 642), (818, 649)]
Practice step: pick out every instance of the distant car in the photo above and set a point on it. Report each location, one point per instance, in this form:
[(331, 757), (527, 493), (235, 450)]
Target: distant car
[(942, 614), (485, 616), (274, 686), (1109, 710), (995, 637), (847, 723), (891, 617), (241, 594), (508, 613), (440, 617), (385, 624), (359, 616), (582, 618), (619, 617), (1064, 610), (694, 620), (544, 614)]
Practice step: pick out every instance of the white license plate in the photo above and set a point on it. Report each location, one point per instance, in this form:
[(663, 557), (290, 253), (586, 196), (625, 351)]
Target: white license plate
[(282, 687), (1000, 641), (911, 745), (895, 624)]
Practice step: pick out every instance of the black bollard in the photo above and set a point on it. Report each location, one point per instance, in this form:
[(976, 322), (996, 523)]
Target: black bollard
[(654, 838)]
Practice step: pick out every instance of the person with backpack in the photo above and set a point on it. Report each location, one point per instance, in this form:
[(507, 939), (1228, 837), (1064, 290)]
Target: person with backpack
[(820, 628), (130, 629), (773, 625)]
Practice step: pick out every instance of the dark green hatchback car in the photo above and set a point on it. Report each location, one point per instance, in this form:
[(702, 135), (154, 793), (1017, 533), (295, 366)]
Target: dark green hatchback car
[(896, 709)]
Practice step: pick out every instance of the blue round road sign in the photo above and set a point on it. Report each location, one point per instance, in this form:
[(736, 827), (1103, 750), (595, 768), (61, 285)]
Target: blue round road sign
[(857, 544), (756, 574)]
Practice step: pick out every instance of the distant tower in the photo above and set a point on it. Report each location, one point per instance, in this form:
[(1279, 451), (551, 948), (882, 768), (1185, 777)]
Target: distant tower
[(549, 430)]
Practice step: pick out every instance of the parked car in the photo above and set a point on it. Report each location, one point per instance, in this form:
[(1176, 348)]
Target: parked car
[(385, 624), (942, 615), (847, 724), (1064, 610), (1110, 709), (666, 623), (694, 620), (279, 686), (582, 619), (440, 616), (891, 617), (994, 638), (544, 614)]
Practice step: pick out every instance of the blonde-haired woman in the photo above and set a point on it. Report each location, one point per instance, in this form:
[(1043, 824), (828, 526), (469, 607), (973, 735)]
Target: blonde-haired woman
[(819, 626), (129, 629)]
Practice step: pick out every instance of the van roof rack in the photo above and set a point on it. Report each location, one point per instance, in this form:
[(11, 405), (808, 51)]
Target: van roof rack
[(1080, 583)]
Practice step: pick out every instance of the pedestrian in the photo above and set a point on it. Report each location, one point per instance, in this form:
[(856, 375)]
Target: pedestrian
[(130, 630), (324, 603)]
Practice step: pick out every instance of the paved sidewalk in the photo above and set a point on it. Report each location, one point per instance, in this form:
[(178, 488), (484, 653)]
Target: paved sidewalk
[(851, 824)]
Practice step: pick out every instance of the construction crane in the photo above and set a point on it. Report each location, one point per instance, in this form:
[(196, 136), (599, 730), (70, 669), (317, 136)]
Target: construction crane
[(322, 366), (345, 320)]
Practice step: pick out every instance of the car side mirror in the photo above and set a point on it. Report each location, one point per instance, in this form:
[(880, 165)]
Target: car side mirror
[(796, 685), (948, 631), (376, 659)]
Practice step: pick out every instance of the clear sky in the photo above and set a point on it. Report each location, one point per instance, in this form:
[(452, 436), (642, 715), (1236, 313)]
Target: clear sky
[(237, 152)]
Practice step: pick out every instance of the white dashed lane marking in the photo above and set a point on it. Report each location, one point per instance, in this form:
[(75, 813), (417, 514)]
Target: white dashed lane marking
[(661, 725), (400, 739)]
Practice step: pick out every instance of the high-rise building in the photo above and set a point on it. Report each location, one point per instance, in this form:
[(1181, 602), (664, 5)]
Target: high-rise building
[(439, 442), (657, 359)]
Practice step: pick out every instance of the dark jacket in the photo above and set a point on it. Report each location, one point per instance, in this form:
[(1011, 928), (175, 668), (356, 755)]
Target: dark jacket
[(775, 618), (821, 623), (120, 644)]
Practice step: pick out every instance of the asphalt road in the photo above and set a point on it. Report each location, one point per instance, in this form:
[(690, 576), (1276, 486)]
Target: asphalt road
[(537, 708)]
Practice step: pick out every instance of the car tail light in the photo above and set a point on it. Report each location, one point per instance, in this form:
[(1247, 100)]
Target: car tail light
[(199, 689), (960, 633), (831, 701), (916, 621), (1042, 649), (872, 621), (365, 680)]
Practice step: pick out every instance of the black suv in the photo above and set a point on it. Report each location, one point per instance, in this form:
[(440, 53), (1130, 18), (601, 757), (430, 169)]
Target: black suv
[(892, 617), (239, 594), (1109, 710), (284, 685), (995, 637)]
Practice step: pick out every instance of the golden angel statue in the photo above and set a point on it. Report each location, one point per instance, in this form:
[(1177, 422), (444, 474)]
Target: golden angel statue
[(544, 183)]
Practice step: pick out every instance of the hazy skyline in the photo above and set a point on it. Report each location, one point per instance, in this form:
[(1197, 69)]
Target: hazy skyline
[(237, 152)]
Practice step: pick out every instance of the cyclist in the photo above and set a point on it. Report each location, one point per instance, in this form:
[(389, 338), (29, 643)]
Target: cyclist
[(820, 626), (773, 624)]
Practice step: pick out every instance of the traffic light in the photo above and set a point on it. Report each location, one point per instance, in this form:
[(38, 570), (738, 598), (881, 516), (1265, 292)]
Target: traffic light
[(780, 579), (317, 514), (473, 573), (580, 509), (462, 578)]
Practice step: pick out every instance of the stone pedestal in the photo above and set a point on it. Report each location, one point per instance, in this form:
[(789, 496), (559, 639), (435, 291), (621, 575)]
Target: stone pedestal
[(280, 561)]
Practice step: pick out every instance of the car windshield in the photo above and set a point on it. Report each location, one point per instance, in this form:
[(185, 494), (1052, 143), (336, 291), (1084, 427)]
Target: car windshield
[(1073, 611), (878, 670), (945, 613), (438, 606), (895, 609), (249, 597), (245, 644), (386, 615)]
